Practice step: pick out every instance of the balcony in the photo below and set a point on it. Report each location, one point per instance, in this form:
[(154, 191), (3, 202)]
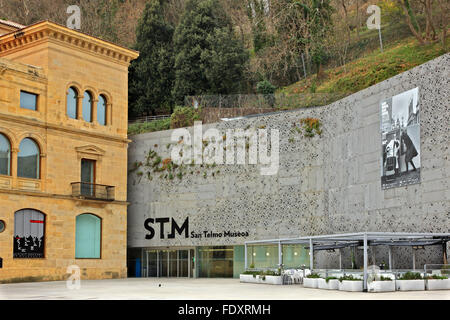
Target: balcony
[(86, 190)]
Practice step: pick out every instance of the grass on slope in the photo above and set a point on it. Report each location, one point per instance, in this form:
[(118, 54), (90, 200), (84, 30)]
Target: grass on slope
[(157, 125), (369, 70)]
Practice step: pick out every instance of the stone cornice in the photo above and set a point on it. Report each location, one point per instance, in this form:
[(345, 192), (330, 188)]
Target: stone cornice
[(36, 73), (50, 31), (49, 126)]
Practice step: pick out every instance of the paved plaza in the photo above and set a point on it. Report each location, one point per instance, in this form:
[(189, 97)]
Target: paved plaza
[(193, 289)]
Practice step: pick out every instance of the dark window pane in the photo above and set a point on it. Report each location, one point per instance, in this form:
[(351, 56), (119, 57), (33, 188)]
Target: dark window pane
[(87, 176), (87, 170), (28, 159), (72, 103), (5, 155), (28, 100), (101, 110), (87, 107)]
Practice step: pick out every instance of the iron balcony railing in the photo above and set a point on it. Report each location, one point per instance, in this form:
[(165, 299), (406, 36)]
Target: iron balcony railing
[(94, 191)]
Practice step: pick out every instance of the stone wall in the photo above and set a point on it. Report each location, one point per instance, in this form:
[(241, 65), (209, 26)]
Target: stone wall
[(325, 184)]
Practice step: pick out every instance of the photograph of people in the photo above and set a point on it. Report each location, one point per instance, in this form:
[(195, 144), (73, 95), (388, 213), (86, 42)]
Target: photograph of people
[(411, 151), (400, 131)]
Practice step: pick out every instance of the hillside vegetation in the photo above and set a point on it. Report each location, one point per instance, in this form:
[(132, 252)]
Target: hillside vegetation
[(288, 53), (369, 70)]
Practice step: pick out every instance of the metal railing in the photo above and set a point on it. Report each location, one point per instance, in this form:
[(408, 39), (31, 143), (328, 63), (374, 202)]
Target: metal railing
[(93, 191), (148, 119), (263, 101)]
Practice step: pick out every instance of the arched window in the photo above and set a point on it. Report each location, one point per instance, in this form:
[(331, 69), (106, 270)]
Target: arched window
[(28, 159), (29, 234), (101, 110), (5, 155), (72, 95), (87, 106), (88, 236)]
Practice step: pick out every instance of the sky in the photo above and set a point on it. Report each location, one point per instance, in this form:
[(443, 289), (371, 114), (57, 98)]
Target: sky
[(400, 104)]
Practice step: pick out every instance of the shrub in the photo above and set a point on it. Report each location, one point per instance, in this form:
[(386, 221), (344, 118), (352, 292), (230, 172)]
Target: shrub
[(184, 117), (385, 279), (349, 277), (262, 274), (411, 276), (265, 87), (268, 90), (330, 278), (272, 273), (436, 277), (313, 276), (157, 125)]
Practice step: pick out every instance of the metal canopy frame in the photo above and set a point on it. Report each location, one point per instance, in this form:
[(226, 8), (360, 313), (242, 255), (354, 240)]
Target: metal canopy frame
[(365, 239)]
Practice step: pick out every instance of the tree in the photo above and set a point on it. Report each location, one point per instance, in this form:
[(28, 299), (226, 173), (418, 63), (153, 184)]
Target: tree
[(304, 25), (426, 6), (209, 58), (151, 75), (257, 11)]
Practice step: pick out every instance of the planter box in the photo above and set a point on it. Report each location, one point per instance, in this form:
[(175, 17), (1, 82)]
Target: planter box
[(410, 285), (438, 284), (333, 284), (351, 285), (381, 286), (248, 278), (310, 282), (271, 280)]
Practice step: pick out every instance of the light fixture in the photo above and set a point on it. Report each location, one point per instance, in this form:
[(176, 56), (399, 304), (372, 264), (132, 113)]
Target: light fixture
[(254, 253), (267, 254), (295, 253)]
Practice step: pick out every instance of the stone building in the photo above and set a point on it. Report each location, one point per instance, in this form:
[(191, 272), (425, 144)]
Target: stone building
[(63, 153)]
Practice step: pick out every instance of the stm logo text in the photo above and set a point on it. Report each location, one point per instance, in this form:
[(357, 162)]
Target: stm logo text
[(174, 228)]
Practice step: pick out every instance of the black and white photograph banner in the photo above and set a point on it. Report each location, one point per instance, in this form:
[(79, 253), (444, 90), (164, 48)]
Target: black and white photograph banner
[(400, 138)]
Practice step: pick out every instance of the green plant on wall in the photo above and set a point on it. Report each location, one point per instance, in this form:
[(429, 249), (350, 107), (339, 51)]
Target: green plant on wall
[(309, 127), (167, 169)]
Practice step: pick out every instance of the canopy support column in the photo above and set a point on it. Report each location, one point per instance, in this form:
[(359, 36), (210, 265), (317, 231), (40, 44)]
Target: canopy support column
[(311, 254), (390, 257), (414, 258), (444, 250), (280, 258), (245, 257), (340, 259), (365, 264), (372, 249)]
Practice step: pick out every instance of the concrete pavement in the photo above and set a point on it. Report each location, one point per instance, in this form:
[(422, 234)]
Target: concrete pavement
[(193, 289)]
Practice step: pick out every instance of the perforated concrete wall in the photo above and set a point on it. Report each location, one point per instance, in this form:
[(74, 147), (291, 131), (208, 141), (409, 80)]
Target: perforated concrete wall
[(325, 184)]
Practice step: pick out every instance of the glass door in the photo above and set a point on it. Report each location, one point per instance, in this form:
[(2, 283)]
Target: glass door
[(87, 177), (173, 263), (163, 263), (152, 268), (183, 263), (169, 263)]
